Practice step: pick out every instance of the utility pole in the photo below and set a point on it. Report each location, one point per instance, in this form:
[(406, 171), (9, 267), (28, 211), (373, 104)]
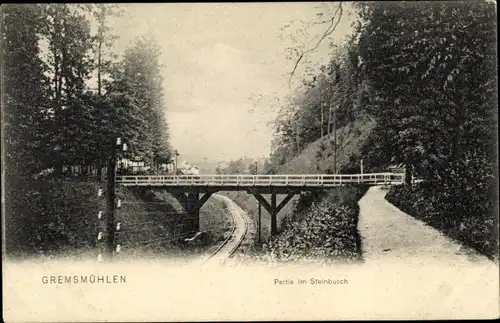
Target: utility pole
[(322, 105), (111, 229), (329, 118), (176, 153), (361, 166), (111, 194), (260, 207), (335, 140), (297, 136)]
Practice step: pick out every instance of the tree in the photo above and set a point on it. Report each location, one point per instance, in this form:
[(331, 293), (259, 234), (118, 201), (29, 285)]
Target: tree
[(66, 29), (333, 18), (334, 96), (25, 91), (420, 58), (103, 39), (138, 101)]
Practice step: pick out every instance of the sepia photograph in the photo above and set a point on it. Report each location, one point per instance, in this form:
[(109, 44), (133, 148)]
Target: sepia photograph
[(249, 161)]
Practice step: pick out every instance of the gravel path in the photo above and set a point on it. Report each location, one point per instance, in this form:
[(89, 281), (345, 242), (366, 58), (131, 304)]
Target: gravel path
[(390, 235)]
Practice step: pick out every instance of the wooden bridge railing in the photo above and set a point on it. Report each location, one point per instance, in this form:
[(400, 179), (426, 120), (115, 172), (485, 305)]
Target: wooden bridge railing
[(260, 180)]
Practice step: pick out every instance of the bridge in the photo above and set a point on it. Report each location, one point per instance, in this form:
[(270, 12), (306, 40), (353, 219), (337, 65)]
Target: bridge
[(192, 191)]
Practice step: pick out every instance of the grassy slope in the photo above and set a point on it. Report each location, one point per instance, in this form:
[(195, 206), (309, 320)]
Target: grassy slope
[(57, 218), (317, 157), (50, 214)]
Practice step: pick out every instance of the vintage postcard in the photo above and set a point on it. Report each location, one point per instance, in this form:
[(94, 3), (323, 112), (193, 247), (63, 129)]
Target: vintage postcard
[(249, 161)]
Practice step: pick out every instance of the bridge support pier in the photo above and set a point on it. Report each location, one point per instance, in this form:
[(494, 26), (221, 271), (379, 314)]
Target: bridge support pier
[(192, 202), (272, 208)]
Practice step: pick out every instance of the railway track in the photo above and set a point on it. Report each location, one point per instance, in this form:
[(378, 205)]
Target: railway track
[(238, 235)]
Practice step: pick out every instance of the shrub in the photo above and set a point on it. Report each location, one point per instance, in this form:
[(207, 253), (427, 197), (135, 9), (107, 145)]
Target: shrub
[(48, 215), (327, 232)]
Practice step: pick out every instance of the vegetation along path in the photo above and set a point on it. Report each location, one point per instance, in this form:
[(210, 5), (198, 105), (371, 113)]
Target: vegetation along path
[(390, 235)]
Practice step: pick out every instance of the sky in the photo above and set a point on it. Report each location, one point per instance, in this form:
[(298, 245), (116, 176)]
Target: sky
[(224, 69)]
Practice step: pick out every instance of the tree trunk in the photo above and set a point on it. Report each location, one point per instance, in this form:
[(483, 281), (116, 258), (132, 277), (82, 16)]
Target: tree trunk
[(99, 170), (99, 66), (85, 171), (59, 117), (58, 167)]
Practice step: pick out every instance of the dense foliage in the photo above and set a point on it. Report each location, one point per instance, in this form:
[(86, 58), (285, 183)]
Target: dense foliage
[(432, 73), (327, 232), (425, 74)]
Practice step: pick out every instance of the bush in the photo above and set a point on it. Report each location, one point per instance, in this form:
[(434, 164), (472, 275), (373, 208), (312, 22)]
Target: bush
[(45, 216), (327, 232)]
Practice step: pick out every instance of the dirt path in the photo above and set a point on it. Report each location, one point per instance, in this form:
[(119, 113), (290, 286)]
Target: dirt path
[(388, 235)]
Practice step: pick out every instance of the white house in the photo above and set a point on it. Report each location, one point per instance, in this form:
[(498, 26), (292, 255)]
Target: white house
[(133, 165)]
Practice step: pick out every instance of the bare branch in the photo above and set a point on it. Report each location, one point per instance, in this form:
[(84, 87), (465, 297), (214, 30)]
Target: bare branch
[(328, 32)]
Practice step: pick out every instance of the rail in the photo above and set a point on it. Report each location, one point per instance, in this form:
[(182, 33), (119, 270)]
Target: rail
[(260, 180)]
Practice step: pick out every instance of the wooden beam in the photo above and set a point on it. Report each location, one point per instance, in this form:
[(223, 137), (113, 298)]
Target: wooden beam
[(182, 198), (284, 202), (271, 208), (203, 199), (262, 201), (274, 221)]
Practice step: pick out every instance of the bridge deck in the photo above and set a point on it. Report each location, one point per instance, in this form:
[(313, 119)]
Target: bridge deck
[(238, 181)]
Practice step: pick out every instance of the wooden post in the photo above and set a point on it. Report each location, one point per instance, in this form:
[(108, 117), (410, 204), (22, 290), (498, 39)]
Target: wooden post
[(274, 224), (272, 208), (260, 213), (408, 174)]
